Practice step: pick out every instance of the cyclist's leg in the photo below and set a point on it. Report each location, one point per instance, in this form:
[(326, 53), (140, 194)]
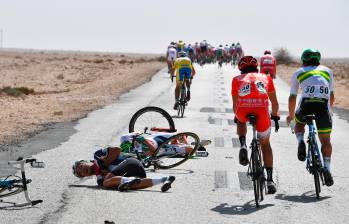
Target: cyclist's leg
[(324, 127), (187, 82), (263, 126), (241, 130), (179, 79), (299, 130)]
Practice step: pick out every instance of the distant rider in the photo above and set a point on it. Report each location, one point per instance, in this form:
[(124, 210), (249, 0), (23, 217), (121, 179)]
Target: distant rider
[(268, 64), (184, 69)]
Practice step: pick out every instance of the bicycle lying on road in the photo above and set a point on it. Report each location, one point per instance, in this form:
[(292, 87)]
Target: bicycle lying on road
[(12, 185), (314, 160), (150, 120), (256, 167)]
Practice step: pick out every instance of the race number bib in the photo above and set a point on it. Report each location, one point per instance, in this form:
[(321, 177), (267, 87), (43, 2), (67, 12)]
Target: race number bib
[(267, 62), (260, 87), (245, 90), (318, 91)]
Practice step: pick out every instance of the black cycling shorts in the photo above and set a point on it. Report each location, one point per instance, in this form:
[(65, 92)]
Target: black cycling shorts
[(130, 167), (318, 107), (203, 48)]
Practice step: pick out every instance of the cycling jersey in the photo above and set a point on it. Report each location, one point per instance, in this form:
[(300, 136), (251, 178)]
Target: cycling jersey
[(184, 67), (268, 65), (172, 54), (156, 139), (252, 91), (314, 81), (317, 84), (99, 164)]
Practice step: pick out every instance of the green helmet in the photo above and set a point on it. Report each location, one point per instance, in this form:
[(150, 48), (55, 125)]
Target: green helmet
[(309, 54), (126, 147)]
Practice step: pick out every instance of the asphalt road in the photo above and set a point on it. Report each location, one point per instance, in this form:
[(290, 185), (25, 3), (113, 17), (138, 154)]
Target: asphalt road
[(207, 190)]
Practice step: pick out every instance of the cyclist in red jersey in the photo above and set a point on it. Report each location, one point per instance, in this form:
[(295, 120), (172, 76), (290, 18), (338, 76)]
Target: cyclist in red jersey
[(268, 64), (251, 92)]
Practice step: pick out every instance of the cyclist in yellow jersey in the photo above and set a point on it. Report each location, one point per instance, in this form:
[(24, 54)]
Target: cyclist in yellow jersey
[(180, 46), (184, 69)]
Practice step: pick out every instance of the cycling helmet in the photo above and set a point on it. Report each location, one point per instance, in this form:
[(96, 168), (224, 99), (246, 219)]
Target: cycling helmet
[(220, 45), (182, 54), (247, 61), (75, 165), (232, 44), (267, 52), (310, 54)]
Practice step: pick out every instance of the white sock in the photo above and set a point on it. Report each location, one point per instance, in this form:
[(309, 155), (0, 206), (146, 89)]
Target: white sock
[(158, 180), (327, 163), (300, 136), (126, 179)]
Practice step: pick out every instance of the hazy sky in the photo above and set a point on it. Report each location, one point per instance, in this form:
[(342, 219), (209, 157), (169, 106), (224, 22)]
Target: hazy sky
[(149, 25)]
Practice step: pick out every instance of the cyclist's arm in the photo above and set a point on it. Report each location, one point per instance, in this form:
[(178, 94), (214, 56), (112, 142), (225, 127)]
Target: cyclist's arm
[(331, 90), (234, 94), (112, 154), (147, 143), (274, 103), (193, 71), (235, 100), (292, 99)]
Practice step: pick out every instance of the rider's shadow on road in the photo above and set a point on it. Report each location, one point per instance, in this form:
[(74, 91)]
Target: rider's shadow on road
[(244, 209), (307, 197)]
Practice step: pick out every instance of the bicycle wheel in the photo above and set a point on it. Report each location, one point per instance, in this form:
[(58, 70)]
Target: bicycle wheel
[(149, 118), (255, 179), (182, 101), (14, 189), (316, 172), (176, 150)]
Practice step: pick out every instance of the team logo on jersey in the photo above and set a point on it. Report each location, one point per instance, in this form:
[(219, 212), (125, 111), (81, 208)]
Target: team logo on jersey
[(245, 89), (260, 86)]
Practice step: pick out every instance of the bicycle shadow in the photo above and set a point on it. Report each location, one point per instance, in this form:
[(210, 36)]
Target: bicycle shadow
[(13, 206), (176, 116), (307, 197), (245, 209)]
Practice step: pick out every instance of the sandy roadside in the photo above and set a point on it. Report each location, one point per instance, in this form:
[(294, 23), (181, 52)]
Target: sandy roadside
[(341, 76), (63, 86)]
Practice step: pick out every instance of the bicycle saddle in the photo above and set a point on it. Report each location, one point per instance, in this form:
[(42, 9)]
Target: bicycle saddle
[(252, 118), (309, 118)]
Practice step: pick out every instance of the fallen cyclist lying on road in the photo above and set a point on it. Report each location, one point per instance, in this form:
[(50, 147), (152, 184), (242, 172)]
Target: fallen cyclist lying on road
[(114, 169)]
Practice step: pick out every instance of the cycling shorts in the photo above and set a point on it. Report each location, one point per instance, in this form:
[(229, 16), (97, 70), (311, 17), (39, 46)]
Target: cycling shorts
[(203, 48), (263, 122), (130, 167), (320, 108), (183, 72)]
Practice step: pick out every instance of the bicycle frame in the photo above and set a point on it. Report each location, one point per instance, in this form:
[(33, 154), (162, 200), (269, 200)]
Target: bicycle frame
[(313, 148), (24, 181)]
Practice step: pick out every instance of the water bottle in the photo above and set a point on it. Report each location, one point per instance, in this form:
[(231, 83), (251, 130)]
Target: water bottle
[(36, 164), (201, 153)]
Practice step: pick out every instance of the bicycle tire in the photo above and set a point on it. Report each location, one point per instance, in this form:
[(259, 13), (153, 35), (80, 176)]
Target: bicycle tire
[(182, 101), (316, 172), (255, 179), (167, 161), (261, 177), (155, 117), (15, 188)]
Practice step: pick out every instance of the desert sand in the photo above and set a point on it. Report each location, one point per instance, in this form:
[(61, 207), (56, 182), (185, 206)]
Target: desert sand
[(42, 87)]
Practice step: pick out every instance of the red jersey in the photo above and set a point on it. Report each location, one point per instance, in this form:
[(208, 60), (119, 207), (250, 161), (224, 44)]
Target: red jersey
[(268, 64), (252, 89)]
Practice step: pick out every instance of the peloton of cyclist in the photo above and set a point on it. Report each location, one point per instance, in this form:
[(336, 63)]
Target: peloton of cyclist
[(268, 64), (250, 92), (116, 170), (317, 86), (184, 69)]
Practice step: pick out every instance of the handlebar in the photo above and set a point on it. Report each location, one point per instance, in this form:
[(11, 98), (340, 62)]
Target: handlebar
[(20, 160), (276, 121)]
